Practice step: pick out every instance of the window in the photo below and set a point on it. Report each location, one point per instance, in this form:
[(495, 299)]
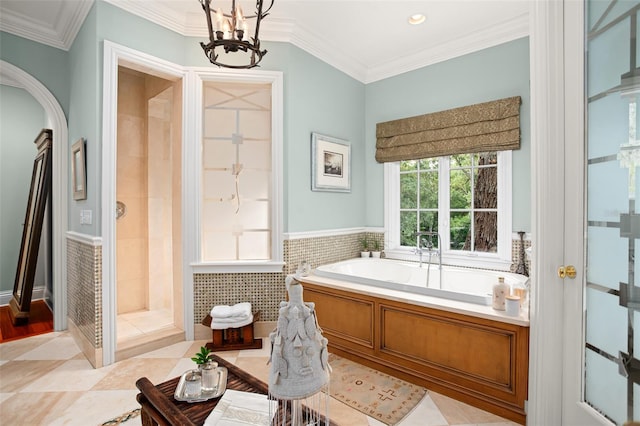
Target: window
[(464, 198), (240, 175)]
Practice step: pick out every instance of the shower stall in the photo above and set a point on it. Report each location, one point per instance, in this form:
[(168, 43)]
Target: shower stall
[(148, 210)]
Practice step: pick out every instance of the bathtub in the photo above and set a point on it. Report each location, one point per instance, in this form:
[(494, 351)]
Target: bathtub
[(382, 313), (461, 284)]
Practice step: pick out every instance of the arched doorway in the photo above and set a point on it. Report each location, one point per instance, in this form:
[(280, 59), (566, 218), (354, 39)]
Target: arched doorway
[(57, 122)]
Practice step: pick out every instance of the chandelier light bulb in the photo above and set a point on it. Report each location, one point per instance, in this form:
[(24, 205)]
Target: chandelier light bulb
[(226, 28), (219, 18)]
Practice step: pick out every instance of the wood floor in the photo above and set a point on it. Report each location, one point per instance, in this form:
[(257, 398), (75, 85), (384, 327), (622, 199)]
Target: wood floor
[(40, 321)]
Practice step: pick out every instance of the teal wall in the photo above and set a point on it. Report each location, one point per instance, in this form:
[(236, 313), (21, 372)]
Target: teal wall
[(85, 71), (48, 65), (21, 120), (323, 100), (494, 73)]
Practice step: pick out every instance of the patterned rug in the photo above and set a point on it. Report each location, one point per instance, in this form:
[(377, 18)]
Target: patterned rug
[(378, 395)]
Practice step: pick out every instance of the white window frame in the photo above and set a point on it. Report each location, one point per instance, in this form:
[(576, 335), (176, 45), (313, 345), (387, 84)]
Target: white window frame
[(194, 114), (501, 260)]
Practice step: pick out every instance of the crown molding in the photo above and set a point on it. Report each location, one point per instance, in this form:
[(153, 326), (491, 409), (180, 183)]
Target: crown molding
[(510, 30), (59, 33)]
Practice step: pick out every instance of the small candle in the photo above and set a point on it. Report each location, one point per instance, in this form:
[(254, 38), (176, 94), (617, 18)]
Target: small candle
[(512, 305)]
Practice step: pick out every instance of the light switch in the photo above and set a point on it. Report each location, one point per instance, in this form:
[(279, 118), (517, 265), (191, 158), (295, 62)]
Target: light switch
[(86, 217)]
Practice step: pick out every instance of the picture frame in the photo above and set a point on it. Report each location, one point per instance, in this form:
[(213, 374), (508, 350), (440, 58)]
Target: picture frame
[(330, 164), (78, 170), (20, 303)]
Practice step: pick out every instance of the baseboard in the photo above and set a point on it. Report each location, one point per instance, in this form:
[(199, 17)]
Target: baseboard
[(6, 296)]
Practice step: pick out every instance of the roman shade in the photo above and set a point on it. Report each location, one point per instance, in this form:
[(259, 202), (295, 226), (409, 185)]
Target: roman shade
[(488, 126)]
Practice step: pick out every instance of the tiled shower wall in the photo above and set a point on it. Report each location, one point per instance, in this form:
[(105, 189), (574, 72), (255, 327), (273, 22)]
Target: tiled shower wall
[(84, 289)]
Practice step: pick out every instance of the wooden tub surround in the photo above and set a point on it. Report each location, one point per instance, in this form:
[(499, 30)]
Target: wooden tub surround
[(479, 361)]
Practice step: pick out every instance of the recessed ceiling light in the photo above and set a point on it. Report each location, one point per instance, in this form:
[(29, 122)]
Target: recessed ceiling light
[(417, 19)]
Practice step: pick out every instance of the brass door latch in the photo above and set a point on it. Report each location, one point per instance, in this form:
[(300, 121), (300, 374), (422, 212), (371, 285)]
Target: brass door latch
[(568, 271)]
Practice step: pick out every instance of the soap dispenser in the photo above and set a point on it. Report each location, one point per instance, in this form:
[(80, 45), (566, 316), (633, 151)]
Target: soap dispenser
[(500, 292)]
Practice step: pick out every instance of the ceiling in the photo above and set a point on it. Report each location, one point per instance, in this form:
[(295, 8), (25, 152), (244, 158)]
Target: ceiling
[(367, 39)]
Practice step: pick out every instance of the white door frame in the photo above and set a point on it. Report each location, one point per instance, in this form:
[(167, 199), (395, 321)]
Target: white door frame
[(547, 170), (114, 54), (57, 122)]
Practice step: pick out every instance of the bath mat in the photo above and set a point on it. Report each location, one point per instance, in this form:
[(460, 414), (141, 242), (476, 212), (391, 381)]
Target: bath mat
[(376, 394), (122, 418)]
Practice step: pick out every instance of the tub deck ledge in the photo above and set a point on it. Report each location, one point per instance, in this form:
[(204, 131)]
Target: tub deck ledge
[(480, 311)]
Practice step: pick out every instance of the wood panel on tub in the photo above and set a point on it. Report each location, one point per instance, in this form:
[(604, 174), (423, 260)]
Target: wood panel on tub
[(478, 361)]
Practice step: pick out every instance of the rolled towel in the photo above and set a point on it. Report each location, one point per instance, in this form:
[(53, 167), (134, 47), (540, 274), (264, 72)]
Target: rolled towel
[(239, 310), (218, 325)]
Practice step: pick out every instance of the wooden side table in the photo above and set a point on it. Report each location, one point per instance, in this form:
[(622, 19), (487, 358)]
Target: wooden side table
[(159, 407)]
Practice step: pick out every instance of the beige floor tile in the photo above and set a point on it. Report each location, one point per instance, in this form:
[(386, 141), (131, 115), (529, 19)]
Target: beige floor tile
[(66, 389), (459, 413), (178, 350), (426, 413), (60, 347), (256, 366), (12, 350), (73, 375), (16, 375), (40, 408), (125, 373), (97, 407), (182, 365)]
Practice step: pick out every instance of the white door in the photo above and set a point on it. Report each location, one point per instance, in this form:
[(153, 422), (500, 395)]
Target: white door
[(601, 373)]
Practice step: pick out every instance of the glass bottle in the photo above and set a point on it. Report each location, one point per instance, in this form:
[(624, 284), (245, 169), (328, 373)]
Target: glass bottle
[(193, 384), (500, 293), (209, 372)]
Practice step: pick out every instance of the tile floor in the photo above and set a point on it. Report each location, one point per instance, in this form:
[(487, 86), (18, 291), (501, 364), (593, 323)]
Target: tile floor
[(135, 324), (45, 380)]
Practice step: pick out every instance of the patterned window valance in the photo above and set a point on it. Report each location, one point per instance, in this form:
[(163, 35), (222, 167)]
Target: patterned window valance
[(489, 126)]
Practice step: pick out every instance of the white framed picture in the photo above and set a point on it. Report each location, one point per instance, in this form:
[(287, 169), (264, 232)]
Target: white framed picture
[(330, 164)]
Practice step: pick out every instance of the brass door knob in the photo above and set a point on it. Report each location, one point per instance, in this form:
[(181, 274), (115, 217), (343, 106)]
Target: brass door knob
[(568, 271)]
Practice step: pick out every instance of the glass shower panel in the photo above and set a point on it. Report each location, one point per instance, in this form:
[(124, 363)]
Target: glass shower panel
[(236, 175), (612, 300)]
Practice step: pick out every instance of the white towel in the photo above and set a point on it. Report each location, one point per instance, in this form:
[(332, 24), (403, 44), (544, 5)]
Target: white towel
[(232, 320), (242, 408), (223, 325), (221, 311), (240, 310)]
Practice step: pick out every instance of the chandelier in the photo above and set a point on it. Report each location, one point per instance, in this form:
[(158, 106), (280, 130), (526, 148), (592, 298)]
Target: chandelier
[(230, 33)]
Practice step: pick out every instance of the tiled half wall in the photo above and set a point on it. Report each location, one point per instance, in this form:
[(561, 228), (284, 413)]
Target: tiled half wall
[(84, 294), (265, 291)]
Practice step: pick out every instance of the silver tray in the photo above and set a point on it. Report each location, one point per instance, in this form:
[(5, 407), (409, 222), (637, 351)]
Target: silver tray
[(205, 396)]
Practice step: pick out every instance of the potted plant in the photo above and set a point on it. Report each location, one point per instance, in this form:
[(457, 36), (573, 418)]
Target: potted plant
[(365, 247), (202, 357), (376, 249)]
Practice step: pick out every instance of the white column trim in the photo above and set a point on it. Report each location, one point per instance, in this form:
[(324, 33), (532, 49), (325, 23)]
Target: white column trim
[(547, 153)]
